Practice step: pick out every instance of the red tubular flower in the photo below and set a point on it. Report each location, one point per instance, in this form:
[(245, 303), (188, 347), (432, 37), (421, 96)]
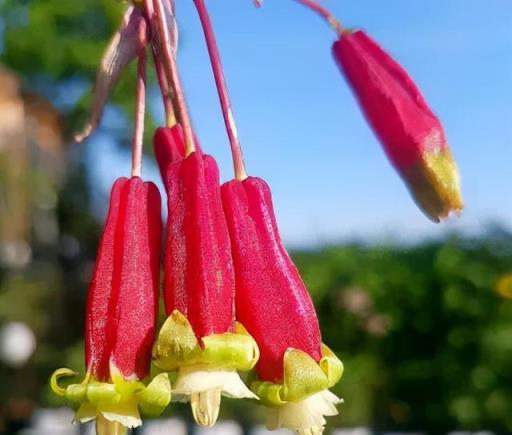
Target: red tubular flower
[(411, 134), (169, 147), (295, 369), (199, 279), (200, 339), (121, 312)]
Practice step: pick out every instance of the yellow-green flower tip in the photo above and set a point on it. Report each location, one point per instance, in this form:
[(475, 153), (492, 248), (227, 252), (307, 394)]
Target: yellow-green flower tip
[(435, 185), (177, 347), (302, 377), (118, 401)]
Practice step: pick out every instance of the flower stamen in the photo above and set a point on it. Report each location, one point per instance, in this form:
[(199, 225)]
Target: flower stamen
[(205, 406)]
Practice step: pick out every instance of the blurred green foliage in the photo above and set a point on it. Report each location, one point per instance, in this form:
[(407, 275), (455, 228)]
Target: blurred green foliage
[(423, 331)]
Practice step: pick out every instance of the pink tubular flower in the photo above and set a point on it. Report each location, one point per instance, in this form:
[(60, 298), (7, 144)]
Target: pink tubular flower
[(121, 311), (295, 369), (410, 133), (200, 339), (169, 147)]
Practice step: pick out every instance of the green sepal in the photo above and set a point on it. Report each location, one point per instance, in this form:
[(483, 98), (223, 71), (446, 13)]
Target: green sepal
[(302, 377), (176, 341), (121, 397), (156, 396), (177, 346), (99, 393), (270, 394), (331, 365), (57, 375)]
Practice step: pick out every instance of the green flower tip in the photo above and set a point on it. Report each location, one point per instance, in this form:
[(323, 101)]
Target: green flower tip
[(177, 347), (303, 377), (118, 401)]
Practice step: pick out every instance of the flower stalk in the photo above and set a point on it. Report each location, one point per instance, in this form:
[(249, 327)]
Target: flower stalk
[(140, 112), (166, 47), (222, 90), (325, 14)]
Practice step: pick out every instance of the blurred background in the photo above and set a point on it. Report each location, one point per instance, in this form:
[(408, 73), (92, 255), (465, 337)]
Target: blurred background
[(421, 314)]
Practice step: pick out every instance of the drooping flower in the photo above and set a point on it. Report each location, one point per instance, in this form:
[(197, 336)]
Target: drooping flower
[(411, 134), (122, 304), (200, 339), (295, 370)]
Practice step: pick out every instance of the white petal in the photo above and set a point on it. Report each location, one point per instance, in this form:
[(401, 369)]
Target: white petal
[(85, 413), (126, 413), (199, 379), (305, 416)]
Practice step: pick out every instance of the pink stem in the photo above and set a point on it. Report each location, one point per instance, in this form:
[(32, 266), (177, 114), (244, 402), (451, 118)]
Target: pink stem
[(140, 110), (325, 14), (174, 79), (170, 116), (222, 90)]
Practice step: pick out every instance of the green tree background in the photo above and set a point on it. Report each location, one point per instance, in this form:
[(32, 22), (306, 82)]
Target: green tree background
[(425, 331)]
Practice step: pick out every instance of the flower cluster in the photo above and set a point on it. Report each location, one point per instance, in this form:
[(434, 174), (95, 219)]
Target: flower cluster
[(233, 298)]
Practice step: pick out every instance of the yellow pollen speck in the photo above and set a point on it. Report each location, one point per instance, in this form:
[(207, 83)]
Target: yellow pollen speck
[(504, 286)]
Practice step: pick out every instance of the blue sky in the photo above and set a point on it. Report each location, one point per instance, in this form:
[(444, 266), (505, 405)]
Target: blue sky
[(302, 131)]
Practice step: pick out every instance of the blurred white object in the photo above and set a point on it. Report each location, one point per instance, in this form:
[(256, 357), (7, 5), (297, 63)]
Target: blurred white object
[(261, 430), (88, 428), (460, 432), (164, 426), (404, 433), (17, 343), (52, 421), (352, 431), (221, 428), (15, 253)]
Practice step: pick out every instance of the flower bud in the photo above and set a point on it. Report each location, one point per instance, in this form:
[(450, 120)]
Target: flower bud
[(412, 136)]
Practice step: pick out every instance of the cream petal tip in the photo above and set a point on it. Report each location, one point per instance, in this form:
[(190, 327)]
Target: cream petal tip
[(197, 380), (127, 413), (307, 416)]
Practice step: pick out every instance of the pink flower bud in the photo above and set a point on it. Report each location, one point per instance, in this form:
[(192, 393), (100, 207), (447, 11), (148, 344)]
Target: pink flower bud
[(412, 136)]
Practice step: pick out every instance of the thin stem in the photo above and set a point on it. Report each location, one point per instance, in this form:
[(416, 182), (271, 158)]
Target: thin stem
[(173, 77), (170, 116), (222, 90), (325, 14), (140, 110)]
